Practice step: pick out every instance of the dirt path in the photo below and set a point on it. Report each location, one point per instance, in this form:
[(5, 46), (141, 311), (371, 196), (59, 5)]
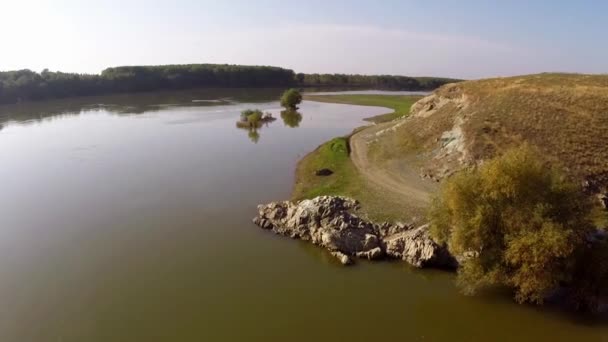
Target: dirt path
[(396, 177)]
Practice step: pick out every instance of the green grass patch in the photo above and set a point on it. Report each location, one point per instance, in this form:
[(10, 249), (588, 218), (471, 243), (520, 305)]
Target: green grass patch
[(333, 155), (345, 181), (399, 104)]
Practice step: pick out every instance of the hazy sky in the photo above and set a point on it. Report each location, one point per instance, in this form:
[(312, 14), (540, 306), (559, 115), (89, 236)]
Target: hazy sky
[(468, 39)]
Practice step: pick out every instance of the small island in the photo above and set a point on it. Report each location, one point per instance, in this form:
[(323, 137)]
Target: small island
[(254, 118)]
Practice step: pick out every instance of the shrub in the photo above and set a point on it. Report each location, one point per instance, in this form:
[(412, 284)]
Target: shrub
[(247, 112), (291, 99), (251, 118), (522, 220)]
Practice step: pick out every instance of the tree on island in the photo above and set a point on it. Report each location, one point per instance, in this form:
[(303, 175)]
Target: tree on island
[(291, 99), (254, 118)]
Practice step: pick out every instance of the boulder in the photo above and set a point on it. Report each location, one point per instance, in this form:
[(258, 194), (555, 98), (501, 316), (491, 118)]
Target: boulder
[(417, 248), (329, 222), (343, 258)]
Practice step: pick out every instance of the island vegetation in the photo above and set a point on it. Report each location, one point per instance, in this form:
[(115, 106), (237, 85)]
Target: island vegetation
[(290, 99), (26, 85), (252, 120)]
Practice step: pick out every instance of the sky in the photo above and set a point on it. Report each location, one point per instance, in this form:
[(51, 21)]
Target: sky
[(463, 39)]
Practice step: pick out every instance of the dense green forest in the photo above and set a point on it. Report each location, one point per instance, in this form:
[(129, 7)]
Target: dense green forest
[(381, 82), (26, 85)]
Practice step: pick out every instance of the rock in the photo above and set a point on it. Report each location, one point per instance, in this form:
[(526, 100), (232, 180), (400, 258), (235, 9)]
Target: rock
[(328, 221), (343, 258), (603, 198), (324, 172), (372, 254), (417, 248)]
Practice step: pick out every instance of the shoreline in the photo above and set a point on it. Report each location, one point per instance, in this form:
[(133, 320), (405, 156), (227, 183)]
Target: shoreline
[(347, 179)]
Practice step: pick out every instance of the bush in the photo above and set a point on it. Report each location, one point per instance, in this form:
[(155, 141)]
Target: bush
[(291, 99), (247, 112), (251, 118), (522, 220)]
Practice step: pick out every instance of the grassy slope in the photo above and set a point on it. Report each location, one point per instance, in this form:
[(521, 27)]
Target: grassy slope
[(564, 115), (400, 104), (346, 181)]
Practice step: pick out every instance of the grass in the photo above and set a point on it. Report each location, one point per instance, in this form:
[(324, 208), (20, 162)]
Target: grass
[(376, 204), (346, 181), (399, 104), (565, 116), (333, 155)]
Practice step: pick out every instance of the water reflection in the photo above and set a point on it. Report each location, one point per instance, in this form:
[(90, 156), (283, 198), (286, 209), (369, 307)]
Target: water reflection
[(291, 118), (133, 104), (253, 127)]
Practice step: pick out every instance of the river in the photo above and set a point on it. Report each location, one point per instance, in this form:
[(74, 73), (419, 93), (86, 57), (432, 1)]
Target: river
[(128, 218)]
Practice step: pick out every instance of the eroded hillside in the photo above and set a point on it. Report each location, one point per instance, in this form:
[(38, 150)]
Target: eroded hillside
[(564, 115)]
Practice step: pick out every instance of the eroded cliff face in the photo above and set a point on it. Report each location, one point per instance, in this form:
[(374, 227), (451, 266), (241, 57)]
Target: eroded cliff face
[(448, 151), (434, 133), (564, 116)]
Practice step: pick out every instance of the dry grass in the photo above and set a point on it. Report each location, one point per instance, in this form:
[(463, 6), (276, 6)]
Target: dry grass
[(564, 115)]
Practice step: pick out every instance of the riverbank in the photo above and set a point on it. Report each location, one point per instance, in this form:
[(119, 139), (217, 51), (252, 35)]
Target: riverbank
[(383, 197), (399, 104)]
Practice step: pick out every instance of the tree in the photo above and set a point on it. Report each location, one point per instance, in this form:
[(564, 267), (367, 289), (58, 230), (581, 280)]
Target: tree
[(291, 99), (520, 221)]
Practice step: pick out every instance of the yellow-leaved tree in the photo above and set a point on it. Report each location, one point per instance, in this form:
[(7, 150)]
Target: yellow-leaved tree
[(520, 222)]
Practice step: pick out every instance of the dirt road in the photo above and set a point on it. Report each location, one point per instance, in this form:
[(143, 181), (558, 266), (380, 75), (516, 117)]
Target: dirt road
[(394, 176)]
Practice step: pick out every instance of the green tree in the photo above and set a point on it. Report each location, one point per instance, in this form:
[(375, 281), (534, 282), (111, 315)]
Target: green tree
[(291, 99), (519, 222), (252, 117)]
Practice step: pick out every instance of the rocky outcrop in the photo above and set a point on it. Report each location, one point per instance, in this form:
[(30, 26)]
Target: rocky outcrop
[(417, 248), (603, 198), (328, 221)]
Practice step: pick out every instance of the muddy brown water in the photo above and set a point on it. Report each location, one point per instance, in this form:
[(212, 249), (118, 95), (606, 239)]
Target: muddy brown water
[(129, 219)]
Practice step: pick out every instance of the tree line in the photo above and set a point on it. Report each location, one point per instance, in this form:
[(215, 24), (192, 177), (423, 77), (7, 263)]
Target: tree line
[(26, 85), (380, 82)]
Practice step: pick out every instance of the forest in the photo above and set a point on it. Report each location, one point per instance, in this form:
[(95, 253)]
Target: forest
[(26, 85)]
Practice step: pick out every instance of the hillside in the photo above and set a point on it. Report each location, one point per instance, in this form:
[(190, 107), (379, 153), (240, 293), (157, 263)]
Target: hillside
[(563, 115), (394, 166)]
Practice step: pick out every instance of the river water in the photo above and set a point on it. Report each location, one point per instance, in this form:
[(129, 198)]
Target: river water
[(129, 219)]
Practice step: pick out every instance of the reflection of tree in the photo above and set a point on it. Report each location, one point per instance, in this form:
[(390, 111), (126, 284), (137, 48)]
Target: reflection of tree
[(254, 136), (291, 118), (253, 121)]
